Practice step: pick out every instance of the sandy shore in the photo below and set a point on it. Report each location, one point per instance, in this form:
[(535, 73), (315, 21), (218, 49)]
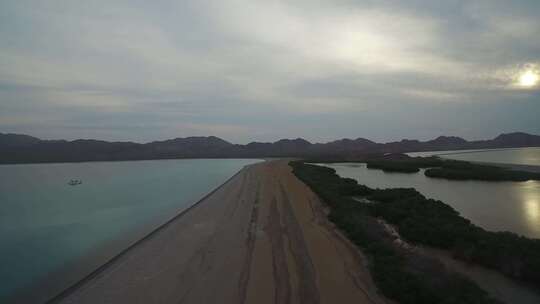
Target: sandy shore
[(260, 238)]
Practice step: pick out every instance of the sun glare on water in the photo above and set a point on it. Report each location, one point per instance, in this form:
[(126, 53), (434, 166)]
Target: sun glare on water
[(528, 79)]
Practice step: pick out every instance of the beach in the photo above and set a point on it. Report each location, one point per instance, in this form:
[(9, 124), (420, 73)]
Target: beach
[(262, 237)]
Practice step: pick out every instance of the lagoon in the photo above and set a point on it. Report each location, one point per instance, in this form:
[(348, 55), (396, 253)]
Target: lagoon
[(495, 206), (515, 156)]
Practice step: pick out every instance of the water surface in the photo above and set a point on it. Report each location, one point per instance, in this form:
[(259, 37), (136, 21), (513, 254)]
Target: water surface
[(495, 206), (47, 226), (518, 156)]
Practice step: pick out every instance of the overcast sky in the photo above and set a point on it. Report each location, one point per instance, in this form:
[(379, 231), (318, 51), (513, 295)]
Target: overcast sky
[(250, 70)]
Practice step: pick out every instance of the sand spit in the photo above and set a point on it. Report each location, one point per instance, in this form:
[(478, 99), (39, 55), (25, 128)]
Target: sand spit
[(262, 237)]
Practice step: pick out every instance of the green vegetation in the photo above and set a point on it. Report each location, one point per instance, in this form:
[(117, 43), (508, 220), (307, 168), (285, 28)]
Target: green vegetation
[(400, 275), (468, 171), (410, 278), (451, 169), (403, 163), (388, 163)]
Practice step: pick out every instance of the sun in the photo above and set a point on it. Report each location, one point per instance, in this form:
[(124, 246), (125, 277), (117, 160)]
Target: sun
[(528, 79)]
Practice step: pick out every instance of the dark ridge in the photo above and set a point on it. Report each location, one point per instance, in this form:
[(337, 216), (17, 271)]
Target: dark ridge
[(17, 140), (17, 148)]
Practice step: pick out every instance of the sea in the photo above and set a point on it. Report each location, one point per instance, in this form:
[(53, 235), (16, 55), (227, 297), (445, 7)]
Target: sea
[(52, 233)]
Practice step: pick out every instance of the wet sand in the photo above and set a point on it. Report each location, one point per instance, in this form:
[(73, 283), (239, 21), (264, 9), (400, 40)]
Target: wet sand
[(262, 237)]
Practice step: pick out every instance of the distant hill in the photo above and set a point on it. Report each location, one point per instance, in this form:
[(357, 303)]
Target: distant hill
[(17, 140), (17, 148)]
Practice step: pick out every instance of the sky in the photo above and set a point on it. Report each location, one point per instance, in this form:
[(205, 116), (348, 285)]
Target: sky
[(250, 70)]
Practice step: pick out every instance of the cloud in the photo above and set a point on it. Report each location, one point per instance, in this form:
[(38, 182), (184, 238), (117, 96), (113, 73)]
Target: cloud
[(276, 69)]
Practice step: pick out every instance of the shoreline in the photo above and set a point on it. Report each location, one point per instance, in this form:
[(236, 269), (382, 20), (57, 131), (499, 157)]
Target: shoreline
[(56, 234), (261, 237), (66, 291), (75, 275)]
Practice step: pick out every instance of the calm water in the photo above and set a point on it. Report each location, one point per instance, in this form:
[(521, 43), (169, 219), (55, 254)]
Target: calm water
[(521, 156), (495, 206), (47, 226)]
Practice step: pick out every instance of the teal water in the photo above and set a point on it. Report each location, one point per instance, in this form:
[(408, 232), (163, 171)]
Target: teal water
[(521, 156), (48, 227)]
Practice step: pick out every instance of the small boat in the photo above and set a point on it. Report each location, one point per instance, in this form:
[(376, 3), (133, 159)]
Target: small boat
[(75, 182)]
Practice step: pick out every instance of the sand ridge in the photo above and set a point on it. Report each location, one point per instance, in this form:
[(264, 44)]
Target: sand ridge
[(262, 237)]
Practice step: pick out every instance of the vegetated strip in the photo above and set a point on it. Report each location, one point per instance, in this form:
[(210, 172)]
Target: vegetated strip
[(449, 169), (402, 274)]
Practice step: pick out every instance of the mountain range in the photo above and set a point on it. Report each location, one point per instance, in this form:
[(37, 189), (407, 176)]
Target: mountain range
[(18, 148)]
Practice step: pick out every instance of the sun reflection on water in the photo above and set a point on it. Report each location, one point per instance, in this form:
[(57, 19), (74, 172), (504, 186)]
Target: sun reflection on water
[(531, 204), (532, 209)]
